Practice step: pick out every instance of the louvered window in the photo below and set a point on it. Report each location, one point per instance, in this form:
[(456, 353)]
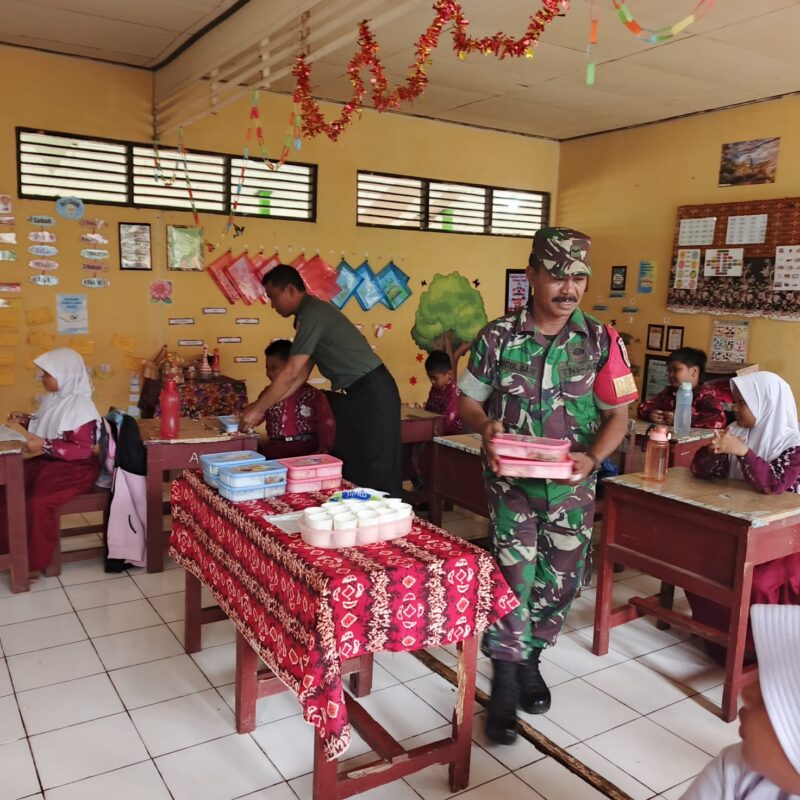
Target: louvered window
[(286, 193), (389, 200), (168, 188), (52, 165), (397, 201)]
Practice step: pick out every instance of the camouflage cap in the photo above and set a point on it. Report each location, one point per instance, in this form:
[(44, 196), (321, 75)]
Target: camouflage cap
[(561, 251)]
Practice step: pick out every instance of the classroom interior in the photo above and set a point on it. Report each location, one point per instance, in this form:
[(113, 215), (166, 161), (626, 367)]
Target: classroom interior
[(97, 696)]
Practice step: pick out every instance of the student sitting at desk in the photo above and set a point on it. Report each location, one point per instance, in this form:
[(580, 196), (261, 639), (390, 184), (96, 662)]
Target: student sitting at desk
[(62, 434), (763, 448), (300, 424), (686, 364), (443, 396)]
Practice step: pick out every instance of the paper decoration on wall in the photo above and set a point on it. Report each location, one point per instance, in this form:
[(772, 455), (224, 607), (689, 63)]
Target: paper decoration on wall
[(214, 310), (94, 254), (751, 162), (89, 267), (161, 292), (125, 344), (657, 35), (320, 278), (5, 203), (38, 316), (229, 339), (103, 372), (787, 269), (70, 207), (245, 359), (216, 269), (698, 231), (380, 329), (43, 264), (185, 248), (723, 262), (241, 273), (44, 280), (394, 283), (44, 250), (95, 283), (747, 229), (190, 342), (43, 220), (94, 238), (95, 223), (263, 265), (181, 320), (6, 219), (8, 238), (41, 236), (347, 279), (47, 341), (647, 277), (72, 313), (9, 340), (8, 255), (83, 346), (248, 321), (368, 292), (687, 269), (729, 341), (449, 316), (10, 288)]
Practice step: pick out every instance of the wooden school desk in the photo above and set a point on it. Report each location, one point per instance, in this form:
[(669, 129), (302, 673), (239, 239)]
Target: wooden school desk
[(418, 425), (681, 447), (11, 477), (196, 437), (705, 536), (457, 475), (313, 615)]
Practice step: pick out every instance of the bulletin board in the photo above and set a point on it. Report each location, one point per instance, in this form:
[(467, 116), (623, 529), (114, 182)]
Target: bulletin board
[(755, 292)]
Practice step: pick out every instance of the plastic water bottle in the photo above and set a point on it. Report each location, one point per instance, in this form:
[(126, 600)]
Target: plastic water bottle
[(683, 409), (170, 403), (656, 457)]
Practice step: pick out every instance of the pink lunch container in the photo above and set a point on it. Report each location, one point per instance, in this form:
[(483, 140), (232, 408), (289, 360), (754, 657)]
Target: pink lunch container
[(522, 468), (533, 448), (303, 468), (312, 485)]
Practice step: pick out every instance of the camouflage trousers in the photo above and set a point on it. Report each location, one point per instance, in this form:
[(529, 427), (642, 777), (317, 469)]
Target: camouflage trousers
[(543, 556)]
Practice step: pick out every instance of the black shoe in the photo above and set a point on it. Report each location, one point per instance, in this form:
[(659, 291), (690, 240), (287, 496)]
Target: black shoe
[(501, 716), (534, 696)]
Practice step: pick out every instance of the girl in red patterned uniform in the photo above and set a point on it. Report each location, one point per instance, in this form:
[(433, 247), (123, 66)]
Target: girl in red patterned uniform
[(62, 435), (300, 424)]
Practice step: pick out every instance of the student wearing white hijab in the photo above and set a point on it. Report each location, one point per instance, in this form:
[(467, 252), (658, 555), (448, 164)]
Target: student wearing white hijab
[(766, 764), (762, 447), (62, 434)]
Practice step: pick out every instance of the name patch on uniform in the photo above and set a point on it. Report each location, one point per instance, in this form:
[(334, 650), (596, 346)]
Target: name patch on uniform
[(517, 366)]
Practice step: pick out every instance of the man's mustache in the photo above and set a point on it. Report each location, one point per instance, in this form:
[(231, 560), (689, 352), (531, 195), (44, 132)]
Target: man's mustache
[(565, 298)]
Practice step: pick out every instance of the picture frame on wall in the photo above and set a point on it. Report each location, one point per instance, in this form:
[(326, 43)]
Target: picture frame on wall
[(655, 375), (135, 246), (185, 248), (518, 290), (655, 337), (674, 337), (619, 277)]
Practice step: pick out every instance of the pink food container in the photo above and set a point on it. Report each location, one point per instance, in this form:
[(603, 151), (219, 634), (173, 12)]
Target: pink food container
[(533, 448), (522, 468), (303, 468), (312, 484)]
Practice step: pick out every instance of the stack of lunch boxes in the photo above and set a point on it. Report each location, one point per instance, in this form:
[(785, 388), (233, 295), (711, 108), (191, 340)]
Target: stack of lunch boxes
[(312, 473), (243, 475), (532, 457)]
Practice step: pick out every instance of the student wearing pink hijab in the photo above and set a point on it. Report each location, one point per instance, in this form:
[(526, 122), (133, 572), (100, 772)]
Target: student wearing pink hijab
[(761, 447)]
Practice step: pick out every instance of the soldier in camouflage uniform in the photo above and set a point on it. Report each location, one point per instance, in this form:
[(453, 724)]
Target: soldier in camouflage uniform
[(533, 372)]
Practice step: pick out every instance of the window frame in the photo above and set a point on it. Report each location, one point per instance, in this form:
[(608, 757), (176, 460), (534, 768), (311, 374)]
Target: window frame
[(424, 224)]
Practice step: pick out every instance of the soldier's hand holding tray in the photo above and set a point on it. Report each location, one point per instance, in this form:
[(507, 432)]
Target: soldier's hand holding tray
[(489, 430), (583, 466)]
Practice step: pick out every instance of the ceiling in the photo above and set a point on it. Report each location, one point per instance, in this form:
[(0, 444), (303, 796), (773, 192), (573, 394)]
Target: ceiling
[(741, 51)]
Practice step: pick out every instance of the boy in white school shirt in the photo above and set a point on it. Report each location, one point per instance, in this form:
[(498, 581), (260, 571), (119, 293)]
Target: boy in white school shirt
[(766, 764)]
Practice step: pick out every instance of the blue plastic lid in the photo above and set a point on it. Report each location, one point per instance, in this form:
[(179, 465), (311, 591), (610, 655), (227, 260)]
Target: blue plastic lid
[(230, 458)]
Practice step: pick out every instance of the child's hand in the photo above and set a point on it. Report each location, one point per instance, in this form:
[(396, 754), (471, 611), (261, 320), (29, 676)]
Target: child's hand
[(34, 445), (669, 417), (20, 417), (657, 417), (726, 442)]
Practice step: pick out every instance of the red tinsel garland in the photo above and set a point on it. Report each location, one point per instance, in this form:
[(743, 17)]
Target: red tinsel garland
[(500, 45)]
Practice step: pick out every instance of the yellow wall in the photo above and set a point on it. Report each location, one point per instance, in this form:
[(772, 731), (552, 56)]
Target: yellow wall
[(624, 189), (84, 97)]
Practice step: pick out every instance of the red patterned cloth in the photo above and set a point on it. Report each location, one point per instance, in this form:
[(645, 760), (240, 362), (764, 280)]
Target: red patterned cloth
[(207, 398), (306, 610)]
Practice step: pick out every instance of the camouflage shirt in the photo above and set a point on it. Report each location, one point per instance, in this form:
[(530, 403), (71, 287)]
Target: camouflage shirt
[(539, 387)]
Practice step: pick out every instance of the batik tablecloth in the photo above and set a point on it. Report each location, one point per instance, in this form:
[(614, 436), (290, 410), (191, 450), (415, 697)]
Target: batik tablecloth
[(306, 610)]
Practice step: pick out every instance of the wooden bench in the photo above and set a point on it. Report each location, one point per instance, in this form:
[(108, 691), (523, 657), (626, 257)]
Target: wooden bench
[(96, 500)]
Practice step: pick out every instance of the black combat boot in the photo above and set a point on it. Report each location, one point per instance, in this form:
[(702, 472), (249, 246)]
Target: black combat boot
[(501, 716), (534, 696)]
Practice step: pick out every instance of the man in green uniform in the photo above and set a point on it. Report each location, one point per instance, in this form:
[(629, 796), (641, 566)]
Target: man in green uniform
[(365, 400), (536, 373)]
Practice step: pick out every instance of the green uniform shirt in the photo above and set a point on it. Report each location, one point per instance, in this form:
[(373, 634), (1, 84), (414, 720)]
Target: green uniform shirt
[(337, 347)]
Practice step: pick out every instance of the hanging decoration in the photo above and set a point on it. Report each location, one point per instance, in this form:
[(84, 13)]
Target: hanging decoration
[(500, 45), (655, 36), (591, 61)]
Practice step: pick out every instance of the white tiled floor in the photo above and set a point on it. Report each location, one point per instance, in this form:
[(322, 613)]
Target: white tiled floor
[(97, 700)]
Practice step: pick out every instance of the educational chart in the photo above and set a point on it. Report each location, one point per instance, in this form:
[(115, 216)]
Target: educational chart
[(687, 270), (729, 341), (698, 231), (750, 279)]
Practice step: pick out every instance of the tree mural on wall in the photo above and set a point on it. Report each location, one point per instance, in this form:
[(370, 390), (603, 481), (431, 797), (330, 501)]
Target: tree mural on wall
[(449, 316)]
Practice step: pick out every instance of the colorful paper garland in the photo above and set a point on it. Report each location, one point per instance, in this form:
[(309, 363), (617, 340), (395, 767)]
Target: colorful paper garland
[(661, 34)]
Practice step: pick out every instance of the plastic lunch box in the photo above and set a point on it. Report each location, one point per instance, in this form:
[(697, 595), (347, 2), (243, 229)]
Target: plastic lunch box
[(533, 448), (312, 484), (211, 462), (242, 493), (229, 423), (303, 468), (522, 468), (256, 474)]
